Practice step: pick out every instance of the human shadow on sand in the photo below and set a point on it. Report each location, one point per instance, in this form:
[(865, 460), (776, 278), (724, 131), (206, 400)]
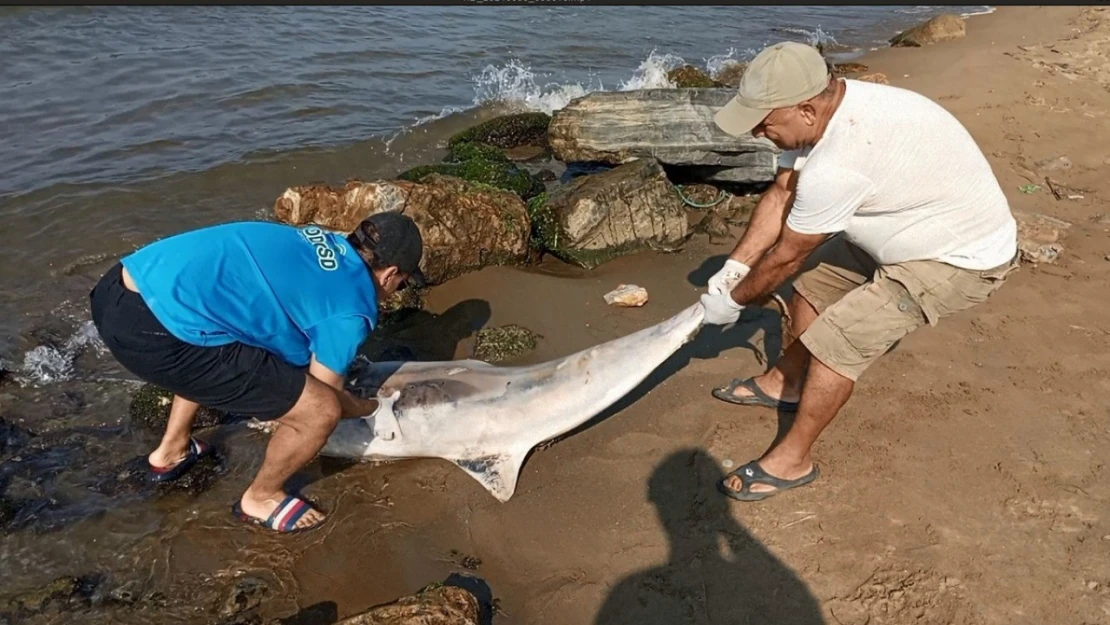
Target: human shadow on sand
[(717, 572)]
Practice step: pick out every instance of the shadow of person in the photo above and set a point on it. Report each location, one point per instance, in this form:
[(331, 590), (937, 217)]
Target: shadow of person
[(717, 572), (416, 334)]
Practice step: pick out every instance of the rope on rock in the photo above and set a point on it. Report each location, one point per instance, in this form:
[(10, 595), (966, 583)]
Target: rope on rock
[(724, 195)]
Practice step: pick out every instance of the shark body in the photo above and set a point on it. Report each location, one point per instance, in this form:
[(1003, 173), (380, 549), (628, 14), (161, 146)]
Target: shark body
[(486, 418)]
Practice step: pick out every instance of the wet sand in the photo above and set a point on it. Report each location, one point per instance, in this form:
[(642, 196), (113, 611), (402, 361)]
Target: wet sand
[(966, 481)]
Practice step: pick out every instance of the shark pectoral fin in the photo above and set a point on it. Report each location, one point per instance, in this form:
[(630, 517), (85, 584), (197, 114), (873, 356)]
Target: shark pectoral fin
[(496, 472), (386, 426)]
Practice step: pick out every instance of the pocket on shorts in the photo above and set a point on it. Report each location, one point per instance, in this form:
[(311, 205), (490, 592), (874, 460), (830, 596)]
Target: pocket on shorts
[(873, 318), (943, 290)]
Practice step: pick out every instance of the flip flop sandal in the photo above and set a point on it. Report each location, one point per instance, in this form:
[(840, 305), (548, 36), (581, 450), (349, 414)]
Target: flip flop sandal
[(759, 398), (752, 473), (284, 517), (197, 450)]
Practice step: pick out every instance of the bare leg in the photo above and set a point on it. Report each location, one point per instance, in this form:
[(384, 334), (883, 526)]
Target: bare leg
[(825, 393), (175, 442), (300, 435), (784, 380)]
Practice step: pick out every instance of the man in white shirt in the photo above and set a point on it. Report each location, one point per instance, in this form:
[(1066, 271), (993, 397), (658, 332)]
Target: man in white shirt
[(888, 214)]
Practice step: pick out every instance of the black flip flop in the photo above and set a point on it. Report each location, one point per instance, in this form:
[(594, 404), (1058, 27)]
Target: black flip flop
[(197, 450), (752, 473), (759, 398)]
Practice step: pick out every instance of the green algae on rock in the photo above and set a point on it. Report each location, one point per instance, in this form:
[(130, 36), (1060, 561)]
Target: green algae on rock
[(508, 131), (63, 594), (497, 174), (503, 343)]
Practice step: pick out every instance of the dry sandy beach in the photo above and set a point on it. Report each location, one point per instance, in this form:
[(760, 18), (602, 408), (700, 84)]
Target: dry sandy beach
[(967, 481)]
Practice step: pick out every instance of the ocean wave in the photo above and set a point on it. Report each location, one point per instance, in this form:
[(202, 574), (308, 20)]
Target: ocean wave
[(516, 84)]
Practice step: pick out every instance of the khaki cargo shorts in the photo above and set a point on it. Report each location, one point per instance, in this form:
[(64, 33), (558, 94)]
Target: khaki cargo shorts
[(865, 308)]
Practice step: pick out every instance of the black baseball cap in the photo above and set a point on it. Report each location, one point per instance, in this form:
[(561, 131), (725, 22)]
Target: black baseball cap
[(395, 241)]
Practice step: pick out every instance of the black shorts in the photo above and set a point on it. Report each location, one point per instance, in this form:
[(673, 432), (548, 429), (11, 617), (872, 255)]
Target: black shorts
[(236, 378)]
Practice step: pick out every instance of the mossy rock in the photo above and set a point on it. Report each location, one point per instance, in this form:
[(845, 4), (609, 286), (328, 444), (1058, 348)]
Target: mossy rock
[(545, 238), (502, 175), (150, 410), (504, 343), (690, 77), (131, 478), (64, 593), (508, 131), (545, 228), (475, 151)]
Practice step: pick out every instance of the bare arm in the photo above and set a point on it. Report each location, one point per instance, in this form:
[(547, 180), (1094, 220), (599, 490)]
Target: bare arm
[(351, 406), (767, 219), (780, 263)]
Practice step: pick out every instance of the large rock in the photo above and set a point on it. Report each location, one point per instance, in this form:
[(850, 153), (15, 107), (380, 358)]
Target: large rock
[(730, 73), (690, 77), (941, 28), (673, 126), (466, 226), (621, 211), (443, 605)]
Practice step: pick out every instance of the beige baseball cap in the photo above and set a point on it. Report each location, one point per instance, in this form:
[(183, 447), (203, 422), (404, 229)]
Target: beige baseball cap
[(782, 75)]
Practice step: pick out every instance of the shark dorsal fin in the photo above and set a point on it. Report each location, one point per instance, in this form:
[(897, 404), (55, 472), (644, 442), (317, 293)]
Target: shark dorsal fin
[(496, 472)]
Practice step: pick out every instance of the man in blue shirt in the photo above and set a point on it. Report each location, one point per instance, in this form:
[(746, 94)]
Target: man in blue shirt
[(257, 319)]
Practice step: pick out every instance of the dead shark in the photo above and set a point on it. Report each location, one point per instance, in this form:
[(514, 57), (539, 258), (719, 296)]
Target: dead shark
[(486, 418)]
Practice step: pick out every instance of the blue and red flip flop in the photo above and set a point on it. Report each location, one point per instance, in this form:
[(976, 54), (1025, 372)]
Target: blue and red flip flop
[(197, 450), (284, 517)]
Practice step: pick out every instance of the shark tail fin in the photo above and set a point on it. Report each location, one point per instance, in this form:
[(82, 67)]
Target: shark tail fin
[(498, 473)]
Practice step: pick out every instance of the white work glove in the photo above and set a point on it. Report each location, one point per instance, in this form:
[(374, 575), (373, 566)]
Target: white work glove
[(728, 277), (720, 309)]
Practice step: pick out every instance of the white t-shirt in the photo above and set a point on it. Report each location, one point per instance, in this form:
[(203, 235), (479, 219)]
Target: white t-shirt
[(904, 180)]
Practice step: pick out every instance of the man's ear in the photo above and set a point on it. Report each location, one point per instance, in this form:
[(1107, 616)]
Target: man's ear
[(808, 112), (385, 273)]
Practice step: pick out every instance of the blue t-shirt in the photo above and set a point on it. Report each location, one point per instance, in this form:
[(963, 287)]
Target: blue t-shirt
[(294, 291)]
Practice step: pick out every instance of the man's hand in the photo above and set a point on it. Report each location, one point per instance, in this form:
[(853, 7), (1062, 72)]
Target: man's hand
[(728, 277), (720, 309), (350, 405)]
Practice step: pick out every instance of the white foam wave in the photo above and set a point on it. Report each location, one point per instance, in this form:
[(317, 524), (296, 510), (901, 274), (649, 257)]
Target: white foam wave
[(652, 72), (515, 84), (49, 365), (987, 10)]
